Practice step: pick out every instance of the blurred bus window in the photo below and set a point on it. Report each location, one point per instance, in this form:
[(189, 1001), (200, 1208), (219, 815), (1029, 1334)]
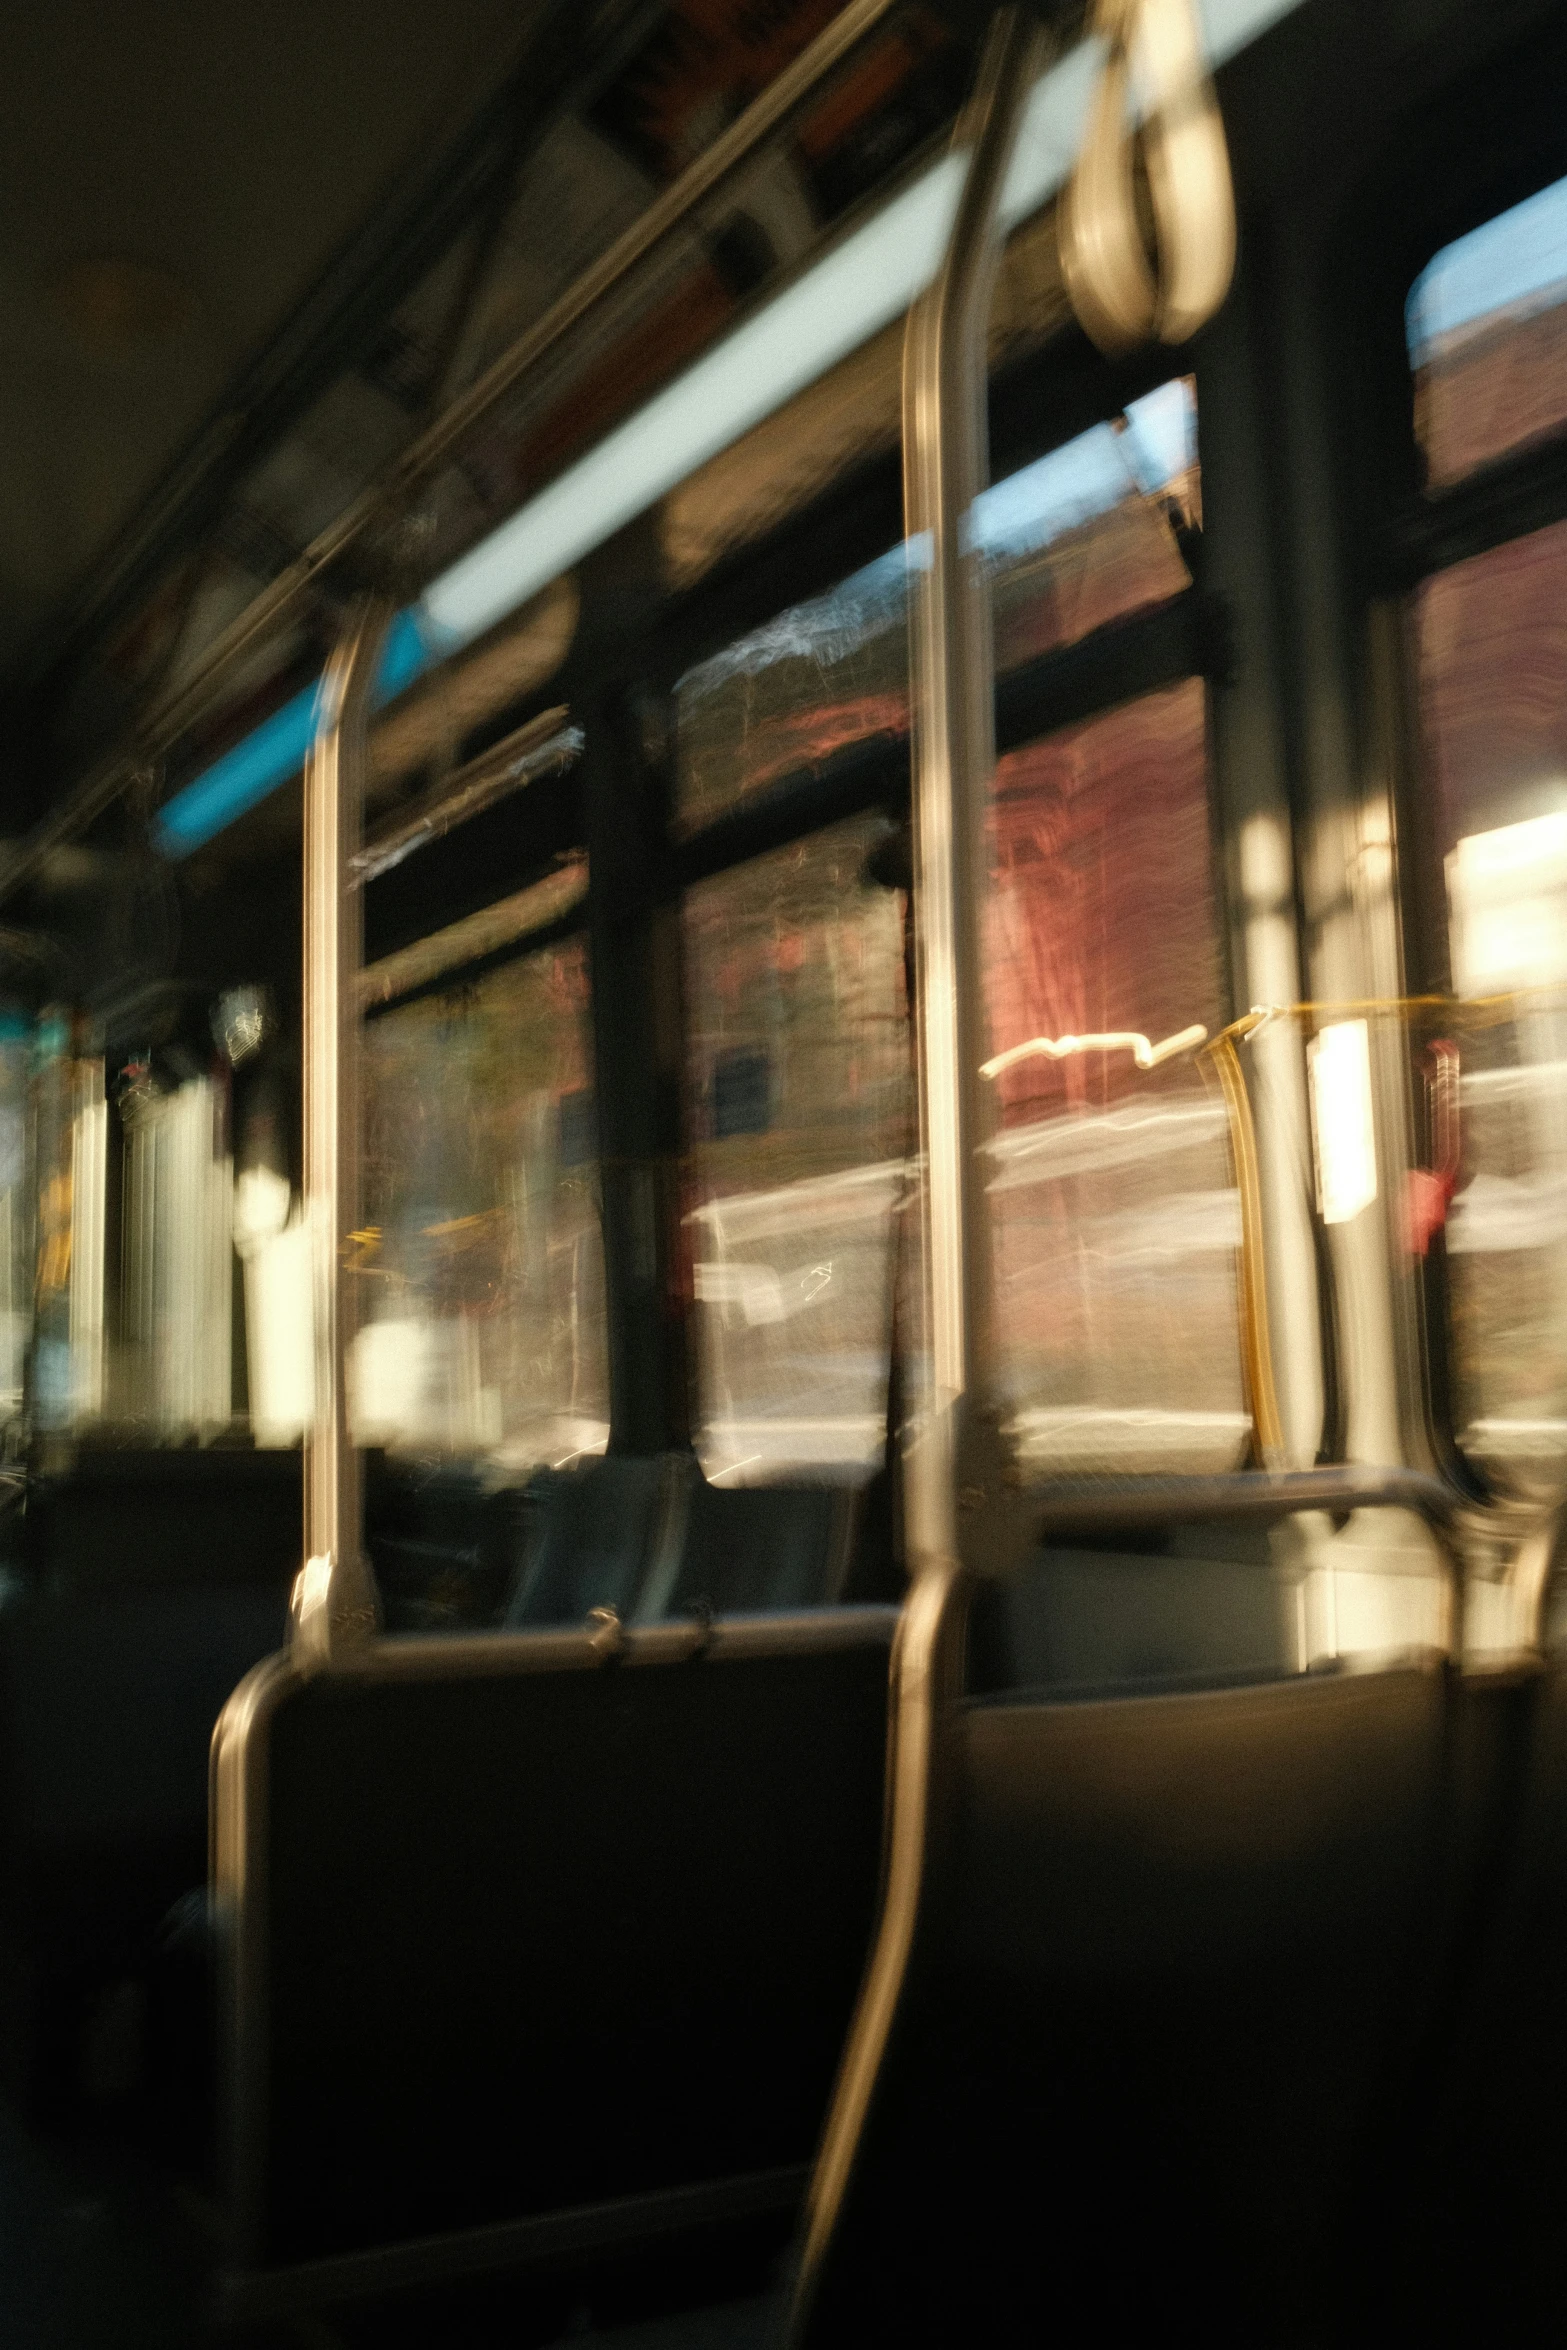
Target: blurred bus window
[(482, 1273), (799, 1104), (16, 1210), (1082, 537), (1116, 1222), (70, 1158), (173, 1357), (1486, 327), (1491, 651), (1088, 534)]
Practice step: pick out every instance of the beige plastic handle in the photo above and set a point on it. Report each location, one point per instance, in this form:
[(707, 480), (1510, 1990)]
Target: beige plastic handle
[(1118, 294)]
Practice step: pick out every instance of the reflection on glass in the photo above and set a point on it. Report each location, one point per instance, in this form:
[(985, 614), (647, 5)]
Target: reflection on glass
[(173, 1364), (1494, 677), (799, 1095), (70, 1127), (16, 1212), (1086, 535), (1080, 538), (826, 674), (1486, 326), (272, 1241), (1116, 1223), (481, 1264), (1492, 652)]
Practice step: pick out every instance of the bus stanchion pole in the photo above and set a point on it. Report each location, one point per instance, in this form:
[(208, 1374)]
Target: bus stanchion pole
[(334, 1612)]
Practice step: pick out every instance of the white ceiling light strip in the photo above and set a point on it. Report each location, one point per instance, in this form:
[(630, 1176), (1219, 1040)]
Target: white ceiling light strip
[(865, 282), (851, 294)]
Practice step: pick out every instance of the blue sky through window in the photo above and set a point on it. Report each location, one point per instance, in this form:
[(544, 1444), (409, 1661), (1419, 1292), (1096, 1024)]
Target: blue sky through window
[(1516, 261), (1140, 453)]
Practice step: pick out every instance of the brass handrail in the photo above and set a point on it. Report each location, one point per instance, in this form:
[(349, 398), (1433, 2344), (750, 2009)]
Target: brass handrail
[(1256, 1338), (1256, 1334)]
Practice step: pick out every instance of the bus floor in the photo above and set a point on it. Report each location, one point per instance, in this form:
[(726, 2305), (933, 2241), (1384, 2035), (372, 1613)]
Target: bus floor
[(100, 2249), (106, 2245)]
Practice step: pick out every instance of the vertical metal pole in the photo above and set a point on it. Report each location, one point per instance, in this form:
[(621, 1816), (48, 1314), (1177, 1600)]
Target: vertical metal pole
[(334, 1604), (953, 1453), (952, 694)]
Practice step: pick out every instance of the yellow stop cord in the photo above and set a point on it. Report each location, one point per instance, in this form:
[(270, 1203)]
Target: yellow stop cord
[(1256, 1337)]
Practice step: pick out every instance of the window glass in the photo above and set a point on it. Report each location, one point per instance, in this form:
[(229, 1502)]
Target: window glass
[(1116, 1223), (1085, 536), (70, 1128), (1491, 643), (172, 1361), (1082, 537), (16, 1216), (799, 1103), (482, 1258), (1486, 325), (116, 1238)]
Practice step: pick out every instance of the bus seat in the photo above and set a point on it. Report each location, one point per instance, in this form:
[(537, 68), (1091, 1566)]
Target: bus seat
[(129, 1519), (146, 1587), (1188, 1916), (1163, 1992), (440, 1541), (1086, 1620), (755, 1547), (532, 1943), (1484, 2197), (590, 1535)]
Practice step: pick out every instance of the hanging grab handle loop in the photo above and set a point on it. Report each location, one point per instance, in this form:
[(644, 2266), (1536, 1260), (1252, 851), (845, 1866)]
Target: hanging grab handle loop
[(1121, 296)]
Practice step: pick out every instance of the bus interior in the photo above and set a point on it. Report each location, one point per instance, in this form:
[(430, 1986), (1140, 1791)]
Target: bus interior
[(685, 1658)]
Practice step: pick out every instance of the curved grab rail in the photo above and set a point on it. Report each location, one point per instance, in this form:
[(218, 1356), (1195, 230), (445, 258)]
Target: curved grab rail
[(953, 747)]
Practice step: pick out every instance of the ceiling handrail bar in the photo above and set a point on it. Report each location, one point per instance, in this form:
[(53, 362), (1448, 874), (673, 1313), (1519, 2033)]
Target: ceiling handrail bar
[(727, 157), (705, 179), (334, 1611)]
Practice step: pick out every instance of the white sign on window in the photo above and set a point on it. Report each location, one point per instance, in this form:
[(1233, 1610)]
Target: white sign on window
[(1507, 895), (1341, 1118)]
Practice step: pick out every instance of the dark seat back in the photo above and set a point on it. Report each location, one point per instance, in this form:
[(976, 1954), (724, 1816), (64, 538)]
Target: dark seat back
[(122, 1520), (1146, 2044), (651, 1538), (530, 1926), (1082, 1621), (589, 1535), (148, 1584), (439, 1539), (760, 1547), (1485, 2190), (1176, 1957)]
